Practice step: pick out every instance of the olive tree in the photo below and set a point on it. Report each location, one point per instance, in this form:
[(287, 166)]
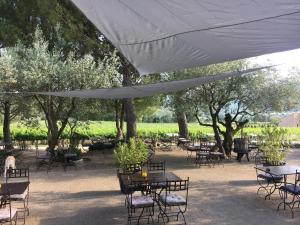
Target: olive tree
[(11, 81), (46, 70), (230, 103)]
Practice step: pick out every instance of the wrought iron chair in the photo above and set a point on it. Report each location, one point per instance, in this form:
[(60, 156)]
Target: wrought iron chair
[(43, 159), (7, 213), (292, 190), (266, 181), (139, 202), (156, 166), (172, 200), (20, 175), (133, 168), (203, 158)]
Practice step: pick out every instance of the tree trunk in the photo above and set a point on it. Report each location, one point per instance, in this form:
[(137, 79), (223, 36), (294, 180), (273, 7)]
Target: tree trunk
[(119, 120), (217, 134), (129, 108), (6, 126), (53, 141), (182, 125), (52, 117), (130, 118), (122, 115), (52, 133), (228, 136)]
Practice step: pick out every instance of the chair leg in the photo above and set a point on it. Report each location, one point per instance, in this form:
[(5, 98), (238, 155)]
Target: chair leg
[(25, 203)]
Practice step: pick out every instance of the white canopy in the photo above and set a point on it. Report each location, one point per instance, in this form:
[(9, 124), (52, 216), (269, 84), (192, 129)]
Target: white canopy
[(147, 90), (168, 35)]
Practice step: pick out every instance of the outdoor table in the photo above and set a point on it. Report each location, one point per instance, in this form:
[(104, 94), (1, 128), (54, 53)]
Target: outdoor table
[(205, 157), (216, 157), (153, 177), (15, 188), (192, 148), (284, 171), (202, 158), (280, 170), (183, 141)]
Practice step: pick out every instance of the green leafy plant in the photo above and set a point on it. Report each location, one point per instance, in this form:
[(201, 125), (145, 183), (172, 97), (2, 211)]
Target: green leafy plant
[(275, 145), (130, 153)]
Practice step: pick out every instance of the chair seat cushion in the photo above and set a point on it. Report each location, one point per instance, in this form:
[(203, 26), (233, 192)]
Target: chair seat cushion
[(269, 177), (142, 201), (19, 196), (4, 213), (291, 188), (172, 199)]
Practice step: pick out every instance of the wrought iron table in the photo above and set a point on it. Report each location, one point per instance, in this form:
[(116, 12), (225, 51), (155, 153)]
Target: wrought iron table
[(284, 171), (16, 188), (153, 177)]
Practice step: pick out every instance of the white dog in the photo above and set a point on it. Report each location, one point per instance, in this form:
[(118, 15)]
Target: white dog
[(10, 162)]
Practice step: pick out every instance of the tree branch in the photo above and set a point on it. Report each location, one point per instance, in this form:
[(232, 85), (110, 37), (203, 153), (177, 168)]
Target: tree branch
[(221, 122), (202, 124), (65, 120)]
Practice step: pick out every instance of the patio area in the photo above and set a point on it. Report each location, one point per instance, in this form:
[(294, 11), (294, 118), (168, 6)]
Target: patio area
[(91, 195)]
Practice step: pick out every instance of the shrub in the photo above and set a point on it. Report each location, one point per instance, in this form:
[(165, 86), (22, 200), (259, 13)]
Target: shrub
[(275, 143), (130, 153)]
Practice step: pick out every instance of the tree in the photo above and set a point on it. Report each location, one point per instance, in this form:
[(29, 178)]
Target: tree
[(11, 105), (231, 102), (53, 71), (18, 20), (177, 102)]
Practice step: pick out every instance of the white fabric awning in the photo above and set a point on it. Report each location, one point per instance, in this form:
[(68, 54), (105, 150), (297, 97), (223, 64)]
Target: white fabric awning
[(147, 90), (167, 35)]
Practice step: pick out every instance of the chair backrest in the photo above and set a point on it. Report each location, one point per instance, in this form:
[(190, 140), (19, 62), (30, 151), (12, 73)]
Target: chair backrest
[(260, 160), (156, 166), (141, 186), (177, 185), (137, 188), (133, 168), (17, 175), (297, 179), (181, 187)]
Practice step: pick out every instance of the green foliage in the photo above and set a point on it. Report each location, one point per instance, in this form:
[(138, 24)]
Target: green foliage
[(145, 130), (275, 143), (18, 20), (42, 69), (130, 153)]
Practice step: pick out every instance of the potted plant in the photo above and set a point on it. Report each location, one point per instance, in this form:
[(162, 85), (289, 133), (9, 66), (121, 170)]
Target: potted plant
[(133, 152), (275, 145)]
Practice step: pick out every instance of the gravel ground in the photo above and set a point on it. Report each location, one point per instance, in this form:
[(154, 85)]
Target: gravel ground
[(89, 195)]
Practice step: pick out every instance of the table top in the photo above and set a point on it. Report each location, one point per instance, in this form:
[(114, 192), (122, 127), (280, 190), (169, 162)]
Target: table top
[(151, 178), (15, 188), (280, 170)]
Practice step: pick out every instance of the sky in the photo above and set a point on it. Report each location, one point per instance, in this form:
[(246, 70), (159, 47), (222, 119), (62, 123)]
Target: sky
[(287, 60)]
